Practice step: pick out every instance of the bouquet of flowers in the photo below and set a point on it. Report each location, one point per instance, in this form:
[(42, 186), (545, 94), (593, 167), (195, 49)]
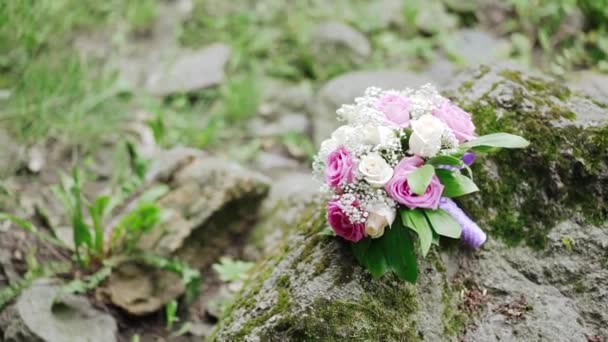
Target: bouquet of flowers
[(392, 170)]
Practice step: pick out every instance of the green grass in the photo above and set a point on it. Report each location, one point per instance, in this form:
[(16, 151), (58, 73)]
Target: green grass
[(61, 96), (54, 93)]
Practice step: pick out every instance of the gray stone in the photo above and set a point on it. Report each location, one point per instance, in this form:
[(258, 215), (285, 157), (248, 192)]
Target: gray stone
[(273, 164), (12, 155), (337, 33), (591, 83), (279, 97), (139, 55), (210, 203), (286, 123), (344, 88), (540, 277), (42, 313), (433, 18), (492, 13), (5, 94), (473, 47), (191, 71)]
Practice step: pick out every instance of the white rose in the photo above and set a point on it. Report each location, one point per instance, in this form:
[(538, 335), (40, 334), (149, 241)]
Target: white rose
[(379, 217), (342, 133), (375, 170), (425, 140), (378, 135)]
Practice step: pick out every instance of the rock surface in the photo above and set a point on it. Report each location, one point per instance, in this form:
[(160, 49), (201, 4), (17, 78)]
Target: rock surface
[(190, 71), (210, 204), (336, 33), (541, 276), (37, 317), (474, 47), (12, 156), (592, 83)]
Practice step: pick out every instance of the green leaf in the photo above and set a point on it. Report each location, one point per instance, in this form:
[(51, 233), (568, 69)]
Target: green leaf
[(399, 252), (327, 231), (82, 234), (190, 277), (443, 223), (89, 283), (154, 193), (171, 314), (445, 160), (232, 270), (97, 212), (369, 254), (455, 184), (415, 220), (360, 249), (435, 240), (420, 179), (502, 140), (377, 264)]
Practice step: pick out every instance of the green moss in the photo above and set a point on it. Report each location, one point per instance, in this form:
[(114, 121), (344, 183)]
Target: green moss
[(282, 305), (284, 282), (531, 190), (483, 70), (387, 311), (322, 264), (580, 287), (538, 85), (466, 86), (454, 320)]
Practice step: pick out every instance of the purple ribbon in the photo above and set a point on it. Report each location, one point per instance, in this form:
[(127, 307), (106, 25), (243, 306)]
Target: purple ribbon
[(472, 235), (468, 158)]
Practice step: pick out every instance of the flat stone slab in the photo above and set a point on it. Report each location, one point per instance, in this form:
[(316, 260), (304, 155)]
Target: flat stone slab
[(190, 71)]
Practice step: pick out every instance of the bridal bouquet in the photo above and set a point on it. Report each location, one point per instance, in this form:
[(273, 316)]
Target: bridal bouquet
[(392, 170)]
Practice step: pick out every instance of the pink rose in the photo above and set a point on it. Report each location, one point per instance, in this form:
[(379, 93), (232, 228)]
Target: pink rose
[(400, 191), (341, 224), (339, 168), (457, 119), (396, 109)]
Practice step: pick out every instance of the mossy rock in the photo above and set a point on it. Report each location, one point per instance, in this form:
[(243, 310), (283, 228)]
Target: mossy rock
[(551, 196), (564, 172), (310, 289)]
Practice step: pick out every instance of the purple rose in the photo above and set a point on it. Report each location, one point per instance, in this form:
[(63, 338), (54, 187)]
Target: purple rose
[(339, 168), (341, 224), (400, 191), (396, 109), (457, 119)]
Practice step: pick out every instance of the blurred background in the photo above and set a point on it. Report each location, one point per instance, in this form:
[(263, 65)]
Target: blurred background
[(108, 85), (242, 77)]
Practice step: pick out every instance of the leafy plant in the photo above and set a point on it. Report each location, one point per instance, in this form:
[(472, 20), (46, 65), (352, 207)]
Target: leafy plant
[(94, 254), (88, 239), (133, 225), (191, 277), (171, 314)]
